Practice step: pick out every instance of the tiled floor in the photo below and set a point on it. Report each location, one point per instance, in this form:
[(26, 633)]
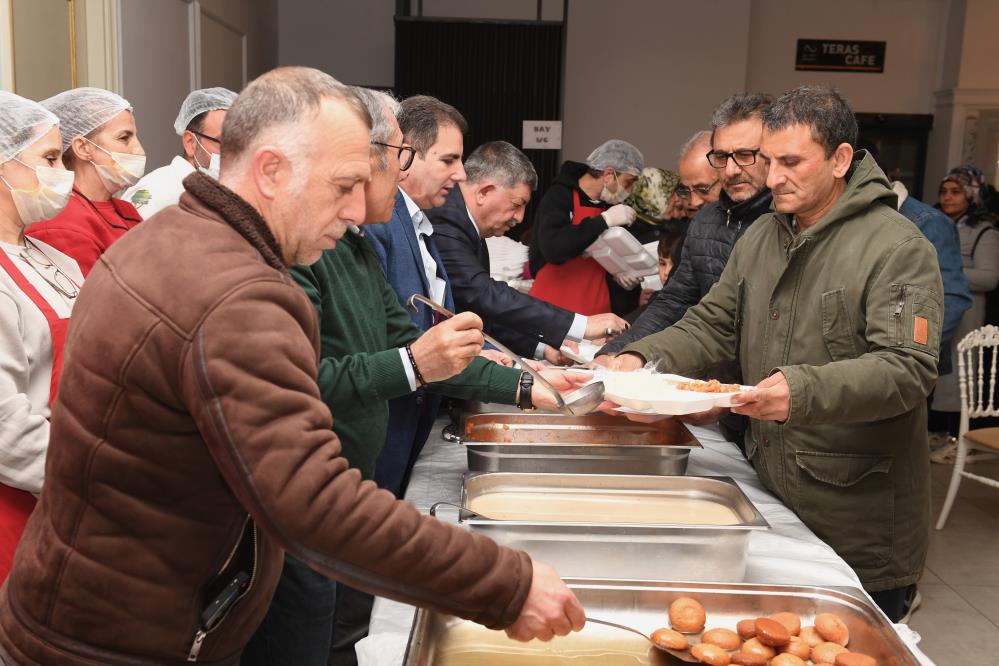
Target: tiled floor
[(959, 618)]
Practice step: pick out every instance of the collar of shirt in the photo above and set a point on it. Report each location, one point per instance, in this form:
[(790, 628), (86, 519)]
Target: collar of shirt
[(475, 225), (420, 221)]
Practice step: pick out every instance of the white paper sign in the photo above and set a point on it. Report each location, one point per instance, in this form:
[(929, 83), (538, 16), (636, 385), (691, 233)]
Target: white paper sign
[(543, 134)]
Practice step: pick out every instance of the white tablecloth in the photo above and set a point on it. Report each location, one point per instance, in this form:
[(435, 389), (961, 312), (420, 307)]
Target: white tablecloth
[(789, 553)]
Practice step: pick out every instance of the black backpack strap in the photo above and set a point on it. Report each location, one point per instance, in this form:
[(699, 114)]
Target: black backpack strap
[(986, 227)]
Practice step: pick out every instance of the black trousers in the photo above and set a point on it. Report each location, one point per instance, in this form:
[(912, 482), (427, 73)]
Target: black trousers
[(350, 624), (298, 627), (895, 602)]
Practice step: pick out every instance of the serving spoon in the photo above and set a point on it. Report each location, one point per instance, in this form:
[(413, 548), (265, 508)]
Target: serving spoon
[(682, 655), (579, 402)]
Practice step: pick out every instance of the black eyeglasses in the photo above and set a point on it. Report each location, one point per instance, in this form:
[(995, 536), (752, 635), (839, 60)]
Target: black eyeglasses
[(685, 192), (742, 157), (406, 154), (205, 136)]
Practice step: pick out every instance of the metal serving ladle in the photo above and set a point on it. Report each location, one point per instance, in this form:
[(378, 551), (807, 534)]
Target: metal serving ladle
[(682, 655), (579, 402)]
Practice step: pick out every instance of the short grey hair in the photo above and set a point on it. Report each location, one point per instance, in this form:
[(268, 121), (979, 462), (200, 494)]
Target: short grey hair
[(822, 109), (420, 118), (698, 137), (279, 99), (378, 103), (503, 163), (739, 107)]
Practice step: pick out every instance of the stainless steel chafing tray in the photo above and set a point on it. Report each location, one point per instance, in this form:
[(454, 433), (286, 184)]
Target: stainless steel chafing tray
[(591, 444), (702, 552), (440, 640)]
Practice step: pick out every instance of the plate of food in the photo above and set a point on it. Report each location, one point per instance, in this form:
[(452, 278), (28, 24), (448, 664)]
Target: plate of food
[(646, 392), (721, 392)]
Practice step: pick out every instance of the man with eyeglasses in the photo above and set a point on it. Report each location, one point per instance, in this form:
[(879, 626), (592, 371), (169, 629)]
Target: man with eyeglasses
[(199, 126), (737, 129), (700, 183), (370, 352)]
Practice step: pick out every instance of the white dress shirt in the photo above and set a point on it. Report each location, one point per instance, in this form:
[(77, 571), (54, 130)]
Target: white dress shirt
[(423, 228)]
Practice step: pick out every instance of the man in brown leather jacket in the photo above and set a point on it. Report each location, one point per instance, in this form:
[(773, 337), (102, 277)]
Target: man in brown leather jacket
[(189, 445)]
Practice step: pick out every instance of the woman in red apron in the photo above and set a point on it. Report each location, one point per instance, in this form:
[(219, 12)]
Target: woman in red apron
[(101, 146), (38, 287), (582, 203)]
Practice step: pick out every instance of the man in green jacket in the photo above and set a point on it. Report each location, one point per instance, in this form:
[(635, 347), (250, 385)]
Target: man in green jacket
[(364, 362), (832, 307)]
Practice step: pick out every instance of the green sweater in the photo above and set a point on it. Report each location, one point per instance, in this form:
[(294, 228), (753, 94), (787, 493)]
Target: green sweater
[(362, 325)]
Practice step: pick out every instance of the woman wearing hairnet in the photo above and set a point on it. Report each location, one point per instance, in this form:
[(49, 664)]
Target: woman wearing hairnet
[(585, 200), (38, 287), (101, 146)]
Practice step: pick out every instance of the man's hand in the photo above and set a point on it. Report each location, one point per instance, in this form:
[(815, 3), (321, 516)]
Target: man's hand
[(604, 325), (555, 357), (551, 609), (497, 356), (603, 359), (769, 401), (562, 381), (645, 297), (447, 348), (627, 363), (704, 418)]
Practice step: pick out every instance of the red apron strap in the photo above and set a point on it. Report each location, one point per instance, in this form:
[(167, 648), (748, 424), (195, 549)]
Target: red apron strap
[(580, 284), (16, 505), (57, 324)]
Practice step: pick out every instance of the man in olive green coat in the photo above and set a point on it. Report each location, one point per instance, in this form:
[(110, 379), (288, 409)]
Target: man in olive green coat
[(832, 307)]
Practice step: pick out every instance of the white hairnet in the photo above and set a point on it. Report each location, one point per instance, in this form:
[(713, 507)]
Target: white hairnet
[(618, 155), (22, 122), (200, 101), (82, 110)]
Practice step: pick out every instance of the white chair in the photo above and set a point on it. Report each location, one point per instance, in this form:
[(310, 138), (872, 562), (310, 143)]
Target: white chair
[(978, 399)]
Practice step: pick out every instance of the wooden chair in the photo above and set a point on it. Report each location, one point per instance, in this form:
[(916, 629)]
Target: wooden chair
[(978, 399)]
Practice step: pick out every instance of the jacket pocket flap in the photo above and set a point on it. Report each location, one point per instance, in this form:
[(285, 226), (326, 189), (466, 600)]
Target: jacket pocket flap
[(841, 469)]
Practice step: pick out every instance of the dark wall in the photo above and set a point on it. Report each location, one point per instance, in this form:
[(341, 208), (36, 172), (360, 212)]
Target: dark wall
[(498, 74)]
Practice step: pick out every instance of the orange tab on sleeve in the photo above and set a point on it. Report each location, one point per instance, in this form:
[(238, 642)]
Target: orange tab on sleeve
[(920, 330)]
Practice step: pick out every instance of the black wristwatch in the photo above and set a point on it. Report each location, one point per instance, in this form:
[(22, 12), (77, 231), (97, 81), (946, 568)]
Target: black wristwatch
[(525, 403)]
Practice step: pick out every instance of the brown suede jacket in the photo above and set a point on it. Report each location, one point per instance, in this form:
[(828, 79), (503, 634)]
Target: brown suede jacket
[(190, 448)]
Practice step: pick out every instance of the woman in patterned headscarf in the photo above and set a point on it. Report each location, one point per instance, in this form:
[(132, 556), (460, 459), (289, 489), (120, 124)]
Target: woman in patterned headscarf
[(962, 197)]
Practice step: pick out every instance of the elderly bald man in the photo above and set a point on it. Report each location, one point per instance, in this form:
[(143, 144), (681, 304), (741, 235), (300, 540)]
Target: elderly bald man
[(190, 447)]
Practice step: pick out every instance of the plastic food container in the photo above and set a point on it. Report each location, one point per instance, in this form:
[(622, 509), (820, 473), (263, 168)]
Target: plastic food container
[(620, 253)]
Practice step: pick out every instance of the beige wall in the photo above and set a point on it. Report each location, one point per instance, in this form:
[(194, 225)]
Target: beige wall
[(632, 73), (911, 28), (352, 41), (233, 40)]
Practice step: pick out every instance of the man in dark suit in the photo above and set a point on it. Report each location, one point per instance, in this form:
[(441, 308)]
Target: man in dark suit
[(412, 265), (490, 202)]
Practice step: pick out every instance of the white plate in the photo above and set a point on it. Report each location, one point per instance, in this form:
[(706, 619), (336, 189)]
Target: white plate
[(650, 393)]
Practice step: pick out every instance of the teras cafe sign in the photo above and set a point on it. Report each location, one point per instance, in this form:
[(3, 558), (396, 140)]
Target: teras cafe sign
[(837, 55)]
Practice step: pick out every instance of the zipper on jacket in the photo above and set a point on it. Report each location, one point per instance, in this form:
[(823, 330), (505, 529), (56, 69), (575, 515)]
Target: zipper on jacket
[(901, 303), (238, 588)]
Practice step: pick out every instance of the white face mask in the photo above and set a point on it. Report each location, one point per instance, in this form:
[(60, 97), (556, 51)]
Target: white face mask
[(125, 172), (614, 198), (214, 162), (46, 201)]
